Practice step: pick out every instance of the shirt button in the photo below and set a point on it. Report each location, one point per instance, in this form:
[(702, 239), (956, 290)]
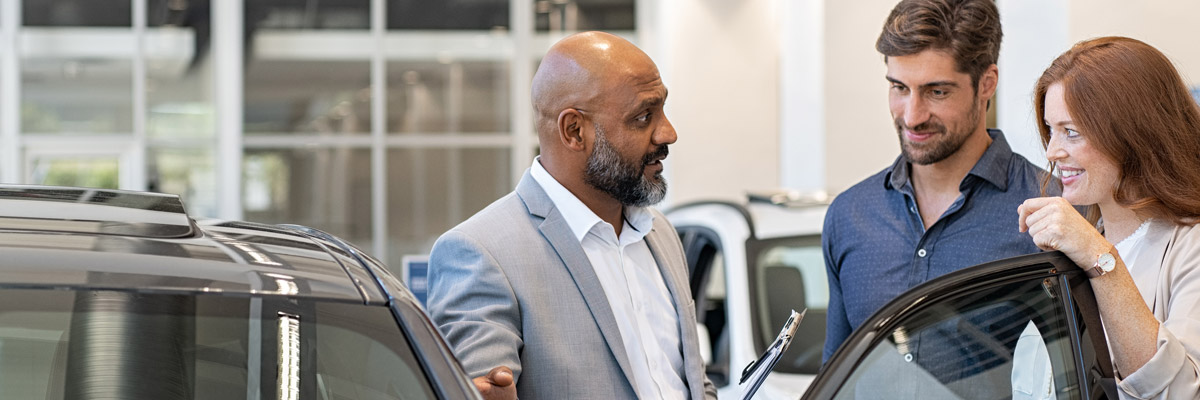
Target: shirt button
[(908, 357), (921, 253), (912, 209)]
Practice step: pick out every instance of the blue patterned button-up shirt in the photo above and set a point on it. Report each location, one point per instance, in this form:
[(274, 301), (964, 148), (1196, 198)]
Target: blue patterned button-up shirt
[(876, 246)]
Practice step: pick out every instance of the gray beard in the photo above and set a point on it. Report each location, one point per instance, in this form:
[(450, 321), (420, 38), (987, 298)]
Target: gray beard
[(624, 181)]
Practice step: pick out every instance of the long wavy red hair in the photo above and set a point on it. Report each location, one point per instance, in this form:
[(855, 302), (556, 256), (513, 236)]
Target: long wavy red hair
[(1130, 103)]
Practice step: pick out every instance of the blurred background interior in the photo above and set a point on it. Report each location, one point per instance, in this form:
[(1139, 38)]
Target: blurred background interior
[(386, 122)]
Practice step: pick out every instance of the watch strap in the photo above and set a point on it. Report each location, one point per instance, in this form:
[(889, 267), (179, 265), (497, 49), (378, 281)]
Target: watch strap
[(1096, 270)]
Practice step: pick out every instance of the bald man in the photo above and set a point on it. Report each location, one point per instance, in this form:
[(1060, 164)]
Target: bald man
[(572, 286)]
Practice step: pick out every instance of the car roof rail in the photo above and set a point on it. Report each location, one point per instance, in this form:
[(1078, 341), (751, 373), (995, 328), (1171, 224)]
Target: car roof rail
[(34, 208), (791, 198)]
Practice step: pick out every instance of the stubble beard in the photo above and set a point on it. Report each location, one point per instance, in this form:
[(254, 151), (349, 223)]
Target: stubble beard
[(938, 150)]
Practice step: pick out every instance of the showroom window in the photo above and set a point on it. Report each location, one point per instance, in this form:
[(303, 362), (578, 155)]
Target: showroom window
[(385, 122)]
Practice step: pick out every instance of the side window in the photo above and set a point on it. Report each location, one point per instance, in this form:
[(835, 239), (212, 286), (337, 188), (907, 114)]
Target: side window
[(790, 274), (59, 344), (1001, 341)]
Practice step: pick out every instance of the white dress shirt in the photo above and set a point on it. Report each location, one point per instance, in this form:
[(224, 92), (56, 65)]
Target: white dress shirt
[(634, 287), (1130, 248)]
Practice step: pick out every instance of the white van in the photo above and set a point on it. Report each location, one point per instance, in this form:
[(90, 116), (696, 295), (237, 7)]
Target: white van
[(750, 264)]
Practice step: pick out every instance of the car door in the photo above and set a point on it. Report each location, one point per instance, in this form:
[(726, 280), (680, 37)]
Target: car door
[(706, 271), (1023, 328)]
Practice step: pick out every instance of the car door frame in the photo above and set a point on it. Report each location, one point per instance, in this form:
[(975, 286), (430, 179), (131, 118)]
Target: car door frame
[(1074, 292)]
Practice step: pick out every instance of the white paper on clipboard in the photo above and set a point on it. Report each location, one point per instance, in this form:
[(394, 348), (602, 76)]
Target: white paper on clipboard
[(755, 373)]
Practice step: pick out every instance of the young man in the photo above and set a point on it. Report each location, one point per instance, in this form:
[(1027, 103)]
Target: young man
[(572, 286), (949, 200)]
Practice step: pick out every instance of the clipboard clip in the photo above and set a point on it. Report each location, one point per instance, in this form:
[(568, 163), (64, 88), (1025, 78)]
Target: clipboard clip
[(749, 370), (779, 346)]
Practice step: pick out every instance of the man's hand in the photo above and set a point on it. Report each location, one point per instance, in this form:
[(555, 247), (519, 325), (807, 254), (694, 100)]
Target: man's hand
[(497, 384)]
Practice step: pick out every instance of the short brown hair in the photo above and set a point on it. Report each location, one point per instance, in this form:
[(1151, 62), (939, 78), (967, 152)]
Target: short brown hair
[(1130, 103), (969, 30)]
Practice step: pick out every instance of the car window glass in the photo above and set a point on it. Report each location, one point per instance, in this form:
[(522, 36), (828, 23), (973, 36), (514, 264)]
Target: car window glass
[(811, 263), (790, 274), (998, 342), (57, 344)]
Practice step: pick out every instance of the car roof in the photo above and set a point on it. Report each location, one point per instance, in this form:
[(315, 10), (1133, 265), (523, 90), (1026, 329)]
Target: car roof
[(773, 220), (765, 220), (75, 238)]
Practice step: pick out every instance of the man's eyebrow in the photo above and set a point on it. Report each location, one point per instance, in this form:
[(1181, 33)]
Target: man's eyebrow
[(927, 85), (952, 84), (651, 102)]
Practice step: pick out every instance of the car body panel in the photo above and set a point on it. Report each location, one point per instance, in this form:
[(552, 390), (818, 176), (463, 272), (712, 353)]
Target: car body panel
[(772, 221), (232, 262), (407, 310)]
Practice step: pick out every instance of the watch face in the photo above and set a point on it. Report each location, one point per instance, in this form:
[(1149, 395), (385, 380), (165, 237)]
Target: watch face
[(1106, 262)]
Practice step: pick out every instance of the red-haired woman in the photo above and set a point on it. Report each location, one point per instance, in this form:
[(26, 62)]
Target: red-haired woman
[(1123, 133)]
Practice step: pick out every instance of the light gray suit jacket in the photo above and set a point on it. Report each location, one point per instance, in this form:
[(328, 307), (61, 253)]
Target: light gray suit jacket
[(512, 286)]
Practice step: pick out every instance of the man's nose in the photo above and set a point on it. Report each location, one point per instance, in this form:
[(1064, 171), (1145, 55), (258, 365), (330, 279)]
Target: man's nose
[(665, 133), (916, 112)]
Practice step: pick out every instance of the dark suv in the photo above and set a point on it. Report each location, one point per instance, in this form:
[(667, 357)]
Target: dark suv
[(116, 294)]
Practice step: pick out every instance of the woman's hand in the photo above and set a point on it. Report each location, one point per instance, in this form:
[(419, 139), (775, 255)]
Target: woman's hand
[(1055, 225)]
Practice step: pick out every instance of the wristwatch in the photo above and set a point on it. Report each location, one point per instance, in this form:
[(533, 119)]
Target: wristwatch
[(1105, 263)]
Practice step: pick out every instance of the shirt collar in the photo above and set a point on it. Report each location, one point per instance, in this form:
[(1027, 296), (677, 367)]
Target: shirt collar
[(991, 167), (579, 217)]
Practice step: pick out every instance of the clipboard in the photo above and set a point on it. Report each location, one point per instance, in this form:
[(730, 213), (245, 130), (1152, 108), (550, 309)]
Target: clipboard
[(756, 373)]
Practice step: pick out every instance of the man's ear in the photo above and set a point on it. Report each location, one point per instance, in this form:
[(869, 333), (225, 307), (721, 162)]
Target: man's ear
[(570, 129), (988, 82)]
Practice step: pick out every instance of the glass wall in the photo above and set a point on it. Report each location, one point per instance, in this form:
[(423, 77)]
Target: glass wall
[(385, 122)]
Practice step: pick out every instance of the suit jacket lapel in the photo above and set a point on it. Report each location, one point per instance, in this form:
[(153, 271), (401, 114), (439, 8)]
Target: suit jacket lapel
[(556, 231), (675, 278)]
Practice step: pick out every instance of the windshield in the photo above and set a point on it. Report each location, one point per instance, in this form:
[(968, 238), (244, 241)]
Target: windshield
[(57, 344), (786, 274)]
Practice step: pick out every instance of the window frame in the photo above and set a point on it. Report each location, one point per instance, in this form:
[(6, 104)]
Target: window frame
[(762, 327), (1074, 293)]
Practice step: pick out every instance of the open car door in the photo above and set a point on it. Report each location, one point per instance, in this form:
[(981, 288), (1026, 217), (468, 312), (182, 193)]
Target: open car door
[(1021, 328)]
